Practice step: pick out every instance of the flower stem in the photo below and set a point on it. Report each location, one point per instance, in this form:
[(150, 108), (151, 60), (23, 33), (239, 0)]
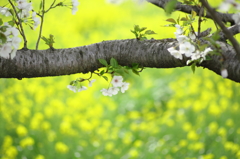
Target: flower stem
[(20, 24), (41, 25)]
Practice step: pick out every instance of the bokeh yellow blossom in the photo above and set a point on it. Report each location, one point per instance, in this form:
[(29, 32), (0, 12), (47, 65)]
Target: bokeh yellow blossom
[(28, 141), (61, 147), (21, 130), (39, 157)]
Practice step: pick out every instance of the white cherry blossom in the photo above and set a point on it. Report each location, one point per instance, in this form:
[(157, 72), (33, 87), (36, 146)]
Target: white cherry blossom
[(5, 50), (91, 82), (117, 2), (113, 90), (36, 22), (124, 87), (224, 73), (236, 18), (76, 88), (15, 42), (5, 11), (175, 53), (179, 30), (11, 31), (182, 38), (106, 92), (21, 4), (75, 3), (187, 48), (117, 81)]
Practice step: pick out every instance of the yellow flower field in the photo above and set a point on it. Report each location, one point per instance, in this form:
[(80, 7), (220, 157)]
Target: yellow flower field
[(165, 114)]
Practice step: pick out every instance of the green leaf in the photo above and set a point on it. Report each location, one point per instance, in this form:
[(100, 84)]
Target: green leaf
[(136, 28), (216, 35), (142, 29), (135, 33), (193, 14), (135, 65), (126, 70), (11, 22), (102, 72), (44, 38), (184, 19), (193, 67), (208, 58), (105, 77), (178, 19), (3, 38), (171, 20), (135, 72), (113, 62), (1, 22), (41, 4), (143, 38), (104, 62), (119, 71), (149, 32), (4, 28), (170, 6)]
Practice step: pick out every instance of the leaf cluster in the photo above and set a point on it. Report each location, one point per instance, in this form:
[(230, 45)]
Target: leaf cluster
[(114, 68), (49, 41), (3, 37), (186, 21), (139, 34), (3, 28)]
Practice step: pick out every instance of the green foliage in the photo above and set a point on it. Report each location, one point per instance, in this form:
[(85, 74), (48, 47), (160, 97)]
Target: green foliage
[(49, 41), (3, 38), (114, 68), (170, 6), (137, 31)]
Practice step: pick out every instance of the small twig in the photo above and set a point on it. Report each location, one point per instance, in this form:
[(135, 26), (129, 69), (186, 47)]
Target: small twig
[(141, 69), (41, 25), (51, 6), (193, 30), (200, 20), (90, 76), (228, 34), (20, 24)]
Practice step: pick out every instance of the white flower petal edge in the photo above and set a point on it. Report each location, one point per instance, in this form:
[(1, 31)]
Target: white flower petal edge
[(124, 87), (117, 81), (224, 73), (91, 82)]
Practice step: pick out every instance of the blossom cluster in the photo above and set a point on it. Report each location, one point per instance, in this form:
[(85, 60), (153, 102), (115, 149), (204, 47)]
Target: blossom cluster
[(75, 3), (13, 41), (117, 85), (12, 44), (186, 47), (226, 4), (24, 12), (75, 88), (115, 1)]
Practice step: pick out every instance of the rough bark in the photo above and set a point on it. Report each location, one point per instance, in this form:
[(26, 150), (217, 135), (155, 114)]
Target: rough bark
[(148, 53)]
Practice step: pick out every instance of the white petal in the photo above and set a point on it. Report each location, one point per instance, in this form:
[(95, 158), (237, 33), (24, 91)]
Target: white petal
[(224, 73)]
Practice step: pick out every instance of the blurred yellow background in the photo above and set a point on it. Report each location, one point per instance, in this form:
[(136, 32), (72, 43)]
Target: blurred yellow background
[(165, 114)]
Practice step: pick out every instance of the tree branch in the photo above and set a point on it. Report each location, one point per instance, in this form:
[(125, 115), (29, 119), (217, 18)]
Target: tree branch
[(148, 53), (224, 17), (227, 33), (235, 29)]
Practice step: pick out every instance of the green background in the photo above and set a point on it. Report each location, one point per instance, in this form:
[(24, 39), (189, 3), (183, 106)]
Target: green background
[(165, 114)]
